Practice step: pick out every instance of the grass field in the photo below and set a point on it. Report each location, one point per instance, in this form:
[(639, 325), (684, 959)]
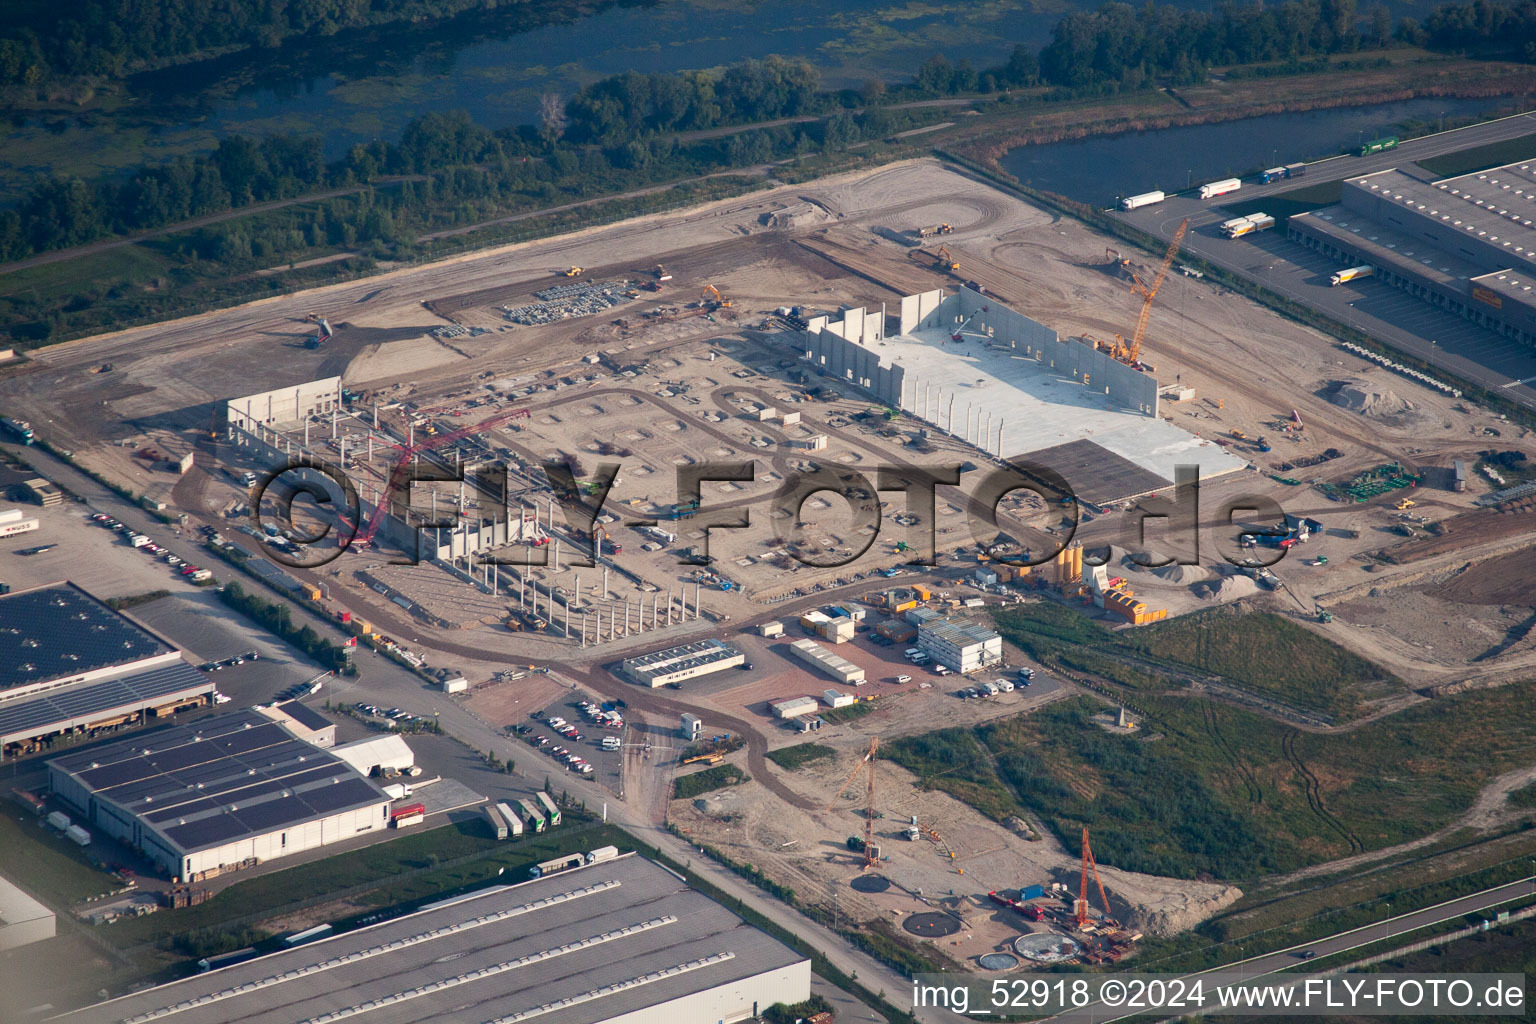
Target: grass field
[(800, 755), (1255, 651), (1480, 158), (1208, 789), (708, 780), (46, 864)]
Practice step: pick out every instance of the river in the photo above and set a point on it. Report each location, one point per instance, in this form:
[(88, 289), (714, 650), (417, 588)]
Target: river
[(1100, 169)]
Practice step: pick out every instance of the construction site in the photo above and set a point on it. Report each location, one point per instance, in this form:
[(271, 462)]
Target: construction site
[(911, 316)]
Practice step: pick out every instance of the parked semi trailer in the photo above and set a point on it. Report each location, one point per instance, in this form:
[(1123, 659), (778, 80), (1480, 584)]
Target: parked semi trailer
[(1144, 199), (1380, 145), (1220, 188), (1351, 274)]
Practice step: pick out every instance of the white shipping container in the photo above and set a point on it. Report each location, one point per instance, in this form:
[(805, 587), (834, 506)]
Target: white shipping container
[(601, 854), (1220, 188), (1144, 199), (59, 820), (10, 515), (79, 835)]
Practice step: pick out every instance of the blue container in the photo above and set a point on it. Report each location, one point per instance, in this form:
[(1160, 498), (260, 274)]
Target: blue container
[(1031, 892)]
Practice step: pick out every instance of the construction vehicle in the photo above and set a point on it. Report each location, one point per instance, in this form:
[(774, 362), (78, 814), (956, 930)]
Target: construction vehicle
[(937, 229), (945, 260), (714, 758), (713, 300), (661, 273), (869, 849), (1130, 354), (1080, 908), (1405, 503), (575, 271)]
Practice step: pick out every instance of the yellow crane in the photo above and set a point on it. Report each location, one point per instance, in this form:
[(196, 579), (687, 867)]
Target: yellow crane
[(871, 852), (1131, 354)]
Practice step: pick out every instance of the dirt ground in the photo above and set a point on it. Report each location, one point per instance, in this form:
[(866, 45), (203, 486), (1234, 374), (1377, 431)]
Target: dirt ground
[(806, 850)]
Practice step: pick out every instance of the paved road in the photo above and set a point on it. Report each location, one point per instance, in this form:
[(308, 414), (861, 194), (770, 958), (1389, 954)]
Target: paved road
[(1434, 335), (387, 683), (1271, 963)]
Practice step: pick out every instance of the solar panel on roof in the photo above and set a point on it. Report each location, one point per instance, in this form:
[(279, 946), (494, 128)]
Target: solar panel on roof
[(60, 631)]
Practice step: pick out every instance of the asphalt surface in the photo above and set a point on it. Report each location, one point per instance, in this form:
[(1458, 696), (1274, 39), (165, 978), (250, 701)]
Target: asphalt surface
[(1378, 309)]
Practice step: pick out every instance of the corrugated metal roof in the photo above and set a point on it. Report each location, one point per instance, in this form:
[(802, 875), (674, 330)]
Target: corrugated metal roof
[(578, 947)]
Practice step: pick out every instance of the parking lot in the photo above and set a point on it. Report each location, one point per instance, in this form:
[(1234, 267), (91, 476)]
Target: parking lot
[(546, 740), (1378, 309)]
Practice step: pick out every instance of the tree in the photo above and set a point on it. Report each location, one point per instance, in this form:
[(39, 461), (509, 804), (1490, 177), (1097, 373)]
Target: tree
[(552, 118), (1381, 25)]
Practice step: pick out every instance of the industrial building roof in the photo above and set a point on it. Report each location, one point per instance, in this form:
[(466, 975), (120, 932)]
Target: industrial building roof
[(94, 701), (305, 716), (676, 659), (1387, 247), (959, 632), (1496, 206), (220, 779), (58, 631), (577, 947)]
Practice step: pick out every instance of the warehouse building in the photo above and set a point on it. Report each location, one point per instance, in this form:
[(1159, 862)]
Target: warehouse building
[(1466, 244), (834, 665), (70, 666), (23, 920), (960, 645), (227, 792), (679, 663), (621, 941)]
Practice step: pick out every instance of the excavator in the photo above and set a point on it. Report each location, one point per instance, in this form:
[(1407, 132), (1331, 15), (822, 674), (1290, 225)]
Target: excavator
[(1130, 354), (713, 300), (945, 260), (575, 271)]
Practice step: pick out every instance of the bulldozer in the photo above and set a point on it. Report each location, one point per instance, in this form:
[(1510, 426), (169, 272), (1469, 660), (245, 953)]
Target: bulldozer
[(575, 271), (1405, 503)]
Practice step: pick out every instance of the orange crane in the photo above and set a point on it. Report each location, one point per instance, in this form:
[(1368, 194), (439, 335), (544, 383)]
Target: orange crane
[(712, 294), (408, 452), (871, 852), (1131, 354), (1080, 909), (947, 259)]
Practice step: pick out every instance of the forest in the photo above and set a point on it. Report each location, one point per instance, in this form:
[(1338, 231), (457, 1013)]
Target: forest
[(112, 38), (618, 133)]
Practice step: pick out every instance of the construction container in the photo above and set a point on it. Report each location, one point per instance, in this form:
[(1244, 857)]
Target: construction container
[(79, 835), (1031, 892), (59, 820), (771, 629), (1144, 199), (1225, 186), (834, 699), (601, 854), (896, 630)]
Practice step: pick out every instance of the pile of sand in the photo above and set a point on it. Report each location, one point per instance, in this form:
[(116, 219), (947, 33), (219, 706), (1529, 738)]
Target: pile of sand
[(1229, 588), (1183, 575), (1362, 397)]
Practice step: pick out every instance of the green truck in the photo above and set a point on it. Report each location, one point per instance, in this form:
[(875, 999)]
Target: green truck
[(1380, 145)]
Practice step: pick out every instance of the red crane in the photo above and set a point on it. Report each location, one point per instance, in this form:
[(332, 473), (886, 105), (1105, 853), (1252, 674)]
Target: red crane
[(1081, 909), (408, 452)]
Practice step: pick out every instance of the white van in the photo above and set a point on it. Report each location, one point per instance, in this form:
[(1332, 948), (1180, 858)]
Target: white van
[(611, 743)]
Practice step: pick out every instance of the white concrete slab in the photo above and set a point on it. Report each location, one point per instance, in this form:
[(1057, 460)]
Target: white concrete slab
[(1010, 404)]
